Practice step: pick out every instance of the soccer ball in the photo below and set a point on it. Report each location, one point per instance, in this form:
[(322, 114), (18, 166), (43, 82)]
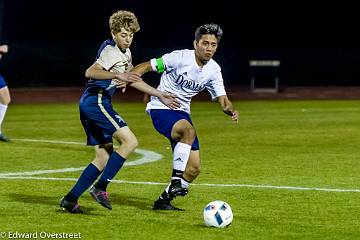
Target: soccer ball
[(218, 214)]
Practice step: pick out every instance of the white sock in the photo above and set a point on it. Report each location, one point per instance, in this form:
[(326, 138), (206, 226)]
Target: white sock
[(167, 188), (3, 109), (184, 183), (181, 157)]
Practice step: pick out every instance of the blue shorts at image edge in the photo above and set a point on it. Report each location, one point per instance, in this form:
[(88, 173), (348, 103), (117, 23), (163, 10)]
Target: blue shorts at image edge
[(2, 82), (164, 120)]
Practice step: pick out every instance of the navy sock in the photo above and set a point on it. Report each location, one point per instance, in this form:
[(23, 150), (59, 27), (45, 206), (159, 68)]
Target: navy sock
[(88, 176), (111, 169)]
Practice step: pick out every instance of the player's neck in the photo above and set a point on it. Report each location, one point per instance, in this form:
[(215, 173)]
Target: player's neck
[(201, 63)]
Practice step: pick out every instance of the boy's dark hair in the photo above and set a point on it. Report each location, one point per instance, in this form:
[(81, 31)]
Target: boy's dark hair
[(209, 28)]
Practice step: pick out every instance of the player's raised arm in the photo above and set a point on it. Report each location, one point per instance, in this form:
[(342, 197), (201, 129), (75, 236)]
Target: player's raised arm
[(142, 68), (228, 108), (96, 71), (167, 99)]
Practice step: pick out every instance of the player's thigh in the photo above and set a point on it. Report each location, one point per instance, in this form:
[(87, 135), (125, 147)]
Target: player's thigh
[(125, 136), (182, 128), (4, 95)]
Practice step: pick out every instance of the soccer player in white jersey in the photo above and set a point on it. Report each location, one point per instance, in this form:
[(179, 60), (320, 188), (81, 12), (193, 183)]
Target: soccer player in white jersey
[(185, 73), (4, 97), (98, 117)]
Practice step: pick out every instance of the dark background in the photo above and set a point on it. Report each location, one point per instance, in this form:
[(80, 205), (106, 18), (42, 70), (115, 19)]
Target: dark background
[(53, 42)]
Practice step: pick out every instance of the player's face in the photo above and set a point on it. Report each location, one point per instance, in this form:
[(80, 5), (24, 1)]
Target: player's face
[(123, 38), (206, 47)]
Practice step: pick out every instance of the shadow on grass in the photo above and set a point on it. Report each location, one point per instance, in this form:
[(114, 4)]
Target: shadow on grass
[(132, 201), (138, 202), (45, 200)]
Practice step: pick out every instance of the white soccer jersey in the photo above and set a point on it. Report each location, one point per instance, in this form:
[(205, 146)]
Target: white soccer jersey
[(184, 77), (112, 59)]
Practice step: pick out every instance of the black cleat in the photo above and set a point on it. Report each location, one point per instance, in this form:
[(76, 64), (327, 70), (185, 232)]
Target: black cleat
[(176, 189), (3, 138), (162, 204), (101, 197), (71, 207)]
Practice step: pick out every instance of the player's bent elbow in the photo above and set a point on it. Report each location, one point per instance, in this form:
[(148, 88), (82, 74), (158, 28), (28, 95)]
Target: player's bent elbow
[(87, 73)]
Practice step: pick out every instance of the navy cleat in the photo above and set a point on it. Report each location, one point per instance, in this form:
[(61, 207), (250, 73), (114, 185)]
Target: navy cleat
[(71, 207), (101, 197), (176, 189), (3, 138), (162, 204)]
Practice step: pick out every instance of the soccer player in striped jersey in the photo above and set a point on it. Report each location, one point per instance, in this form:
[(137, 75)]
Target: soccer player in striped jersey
[(98, 117), (185, 73), (4, 97)]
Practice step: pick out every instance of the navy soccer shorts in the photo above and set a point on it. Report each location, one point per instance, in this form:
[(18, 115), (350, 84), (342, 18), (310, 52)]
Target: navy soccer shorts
[(100, 121), (2, 82), (164, 120)]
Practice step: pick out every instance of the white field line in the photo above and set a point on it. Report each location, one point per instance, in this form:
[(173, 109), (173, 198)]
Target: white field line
[(40, 172), (148, 156), (194, 184)]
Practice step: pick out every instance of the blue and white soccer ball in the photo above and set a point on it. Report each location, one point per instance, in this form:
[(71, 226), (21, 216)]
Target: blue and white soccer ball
[(218, 214)]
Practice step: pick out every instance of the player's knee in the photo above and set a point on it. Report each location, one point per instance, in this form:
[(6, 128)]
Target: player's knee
[(131, 143), (4, 96), (134, 144), (189, 132), (7, 101)]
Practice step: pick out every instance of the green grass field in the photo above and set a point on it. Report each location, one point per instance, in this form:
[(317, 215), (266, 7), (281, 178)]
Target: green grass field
[(288, 169)]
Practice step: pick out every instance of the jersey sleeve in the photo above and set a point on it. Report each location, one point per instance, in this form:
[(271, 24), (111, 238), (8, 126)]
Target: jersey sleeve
[(107, 58), (216, 86), (167, 62)]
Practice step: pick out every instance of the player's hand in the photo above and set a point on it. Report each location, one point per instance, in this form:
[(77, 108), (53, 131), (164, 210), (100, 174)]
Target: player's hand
[(129, 77), (235, 116), (120, 84), (169, 100), (4, 48)]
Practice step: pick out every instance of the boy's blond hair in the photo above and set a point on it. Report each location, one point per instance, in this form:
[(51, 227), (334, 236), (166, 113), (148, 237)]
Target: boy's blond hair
[(123, 19)]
